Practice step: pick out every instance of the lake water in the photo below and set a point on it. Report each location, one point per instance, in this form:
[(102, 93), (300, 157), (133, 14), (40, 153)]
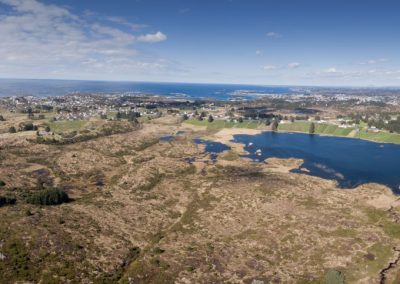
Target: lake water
[(11, 87), (212, 147), (349, 161)]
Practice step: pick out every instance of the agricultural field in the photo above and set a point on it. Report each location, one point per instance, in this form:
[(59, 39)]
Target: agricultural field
[(220, 124)]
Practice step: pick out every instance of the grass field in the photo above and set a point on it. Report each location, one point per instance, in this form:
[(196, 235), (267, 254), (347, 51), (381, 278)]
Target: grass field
[(385, 137), (68, 125), (220, 124), (304, 126), (320, 128)]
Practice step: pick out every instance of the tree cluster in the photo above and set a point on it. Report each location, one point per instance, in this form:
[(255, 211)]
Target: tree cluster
[(52, 196)]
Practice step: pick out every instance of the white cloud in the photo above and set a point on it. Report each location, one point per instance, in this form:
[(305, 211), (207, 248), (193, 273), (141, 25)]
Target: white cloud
[(373, 61), (273, 34), (293, 65), (124, 22), (37, 40), (270, 67), (258, 52), (330, 70), (156, 37)]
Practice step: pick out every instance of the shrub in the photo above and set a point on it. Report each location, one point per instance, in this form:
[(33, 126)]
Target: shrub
[(2, 183), (52, 196), (7, 200), (12, 129)]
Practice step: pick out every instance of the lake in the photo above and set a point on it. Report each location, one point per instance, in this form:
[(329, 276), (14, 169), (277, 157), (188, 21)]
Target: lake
[(349, 161)]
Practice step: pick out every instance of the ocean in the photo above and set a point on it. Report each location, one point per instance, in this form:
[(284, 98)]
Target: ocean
[(26, 87)]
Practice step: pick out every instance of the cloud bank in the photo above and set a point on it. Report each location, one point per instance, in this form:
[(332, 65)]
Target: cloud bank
[(41, 40)]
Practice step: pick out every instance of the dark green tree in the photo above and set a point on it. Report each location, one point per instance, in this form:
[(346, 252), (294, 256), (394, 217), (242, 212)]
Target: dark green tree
[(275, 125), (312, 128), (118, 116), (210, 118)]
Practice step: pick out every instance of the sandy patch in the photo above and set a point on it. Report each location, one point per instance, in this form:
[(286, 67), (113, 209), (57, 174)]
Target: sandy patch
[(283, 165), (226, 135)]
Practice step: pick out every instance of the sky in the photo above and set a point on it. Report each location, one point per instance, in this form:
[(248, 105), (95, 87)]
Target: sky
[(266, 42)]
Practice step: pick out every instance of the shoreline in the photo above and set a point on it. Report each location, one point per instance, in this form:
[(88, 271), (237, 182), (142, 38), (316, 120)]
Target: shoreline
[(244, 131), (226, 136), (328, 135)]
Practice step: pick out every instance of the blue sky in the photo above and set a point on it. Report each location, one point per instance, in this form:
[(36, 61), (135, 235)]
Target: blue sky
[(280, 42)]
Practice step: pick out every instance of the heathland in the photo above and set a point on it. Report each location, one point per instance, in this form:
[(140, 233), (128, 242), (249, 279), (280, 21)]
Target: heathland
[(108, 202)]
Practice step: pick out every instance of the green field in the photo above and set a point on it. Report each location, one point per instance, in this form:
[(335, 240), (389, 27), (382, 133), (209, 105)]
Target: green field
[(320, 128), (67, 125), (220, 124), (303, 126), (385, 137)]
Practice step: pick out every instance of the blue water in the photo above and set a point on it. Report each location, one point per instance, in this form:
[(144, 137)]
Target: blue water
[(11, 87), (349, 161), (167, 138), (212, 147)]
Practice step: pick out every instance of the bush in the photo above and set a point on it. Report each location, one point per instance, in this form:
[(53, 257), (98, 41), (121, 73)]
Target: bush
[(7, 200), (12, 129), (2, 183), (53, 196)]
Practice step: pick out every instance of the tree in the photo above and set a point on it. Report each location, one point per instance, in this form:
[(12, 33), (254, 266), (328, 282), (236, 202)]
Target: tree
[(317, 118), (118, 116), (210, 118), (312, 128), (291, 119), (275, 125), (12, 130), (185, 117), (47, 129), (132, 117), (240, 119), (2, 118), (30, 113)]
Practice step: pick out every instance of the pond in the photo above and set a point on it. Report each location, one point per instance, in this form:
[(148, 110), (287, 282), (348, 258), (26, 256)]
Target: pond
[(212, 147)]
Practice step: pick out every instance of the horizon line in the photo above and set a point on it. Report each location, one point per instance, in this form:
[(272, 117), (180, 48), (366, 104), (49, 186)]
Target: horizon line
[(209, 83)]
